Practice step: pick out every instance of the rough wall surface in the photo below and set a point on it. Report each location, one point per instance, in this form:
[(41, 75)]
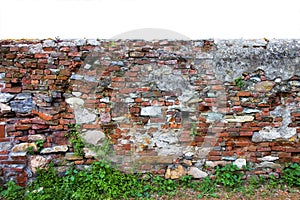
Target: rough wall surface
[(170, 107)]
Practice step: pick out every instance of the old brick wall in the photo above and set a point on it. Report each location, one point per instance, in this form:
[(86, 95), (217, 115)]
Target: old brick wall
[(171, 107)]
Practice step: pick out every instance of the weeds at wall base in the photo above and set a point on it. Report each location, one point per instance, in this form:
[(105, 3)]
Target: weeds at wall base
[(101, 181)]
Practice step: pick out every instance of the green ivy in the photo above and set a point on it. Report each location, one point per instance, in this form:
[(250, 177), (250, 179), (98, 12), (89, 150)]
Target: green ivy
[(75, 139), (229, 176), (291, 174), (239, 82)]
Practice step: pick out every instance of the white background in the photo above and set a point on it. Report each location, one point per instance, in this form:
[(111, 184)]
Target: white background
[(196, 19)]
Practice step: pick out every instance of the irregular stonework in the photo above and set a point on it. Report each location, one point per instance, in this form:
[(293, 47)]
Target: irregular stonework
[(166, 106), (55, 149), (37, 162)]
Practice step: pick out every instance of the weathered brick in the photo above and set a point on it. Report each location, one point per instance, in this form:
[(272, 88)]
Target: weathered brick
[(243, 94)]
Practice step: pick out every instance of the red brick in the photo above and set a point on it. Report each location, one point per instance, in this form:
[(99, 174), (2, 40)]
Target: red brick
[(243, 133), (12, 90), (2, 130), (214, 158), (74, 54), (284, 155), (40, 55), (118, 79), (243, 94), (242, 144), (50, 77), (294, 159), (22, 127), (39, 126), (263, 149), (10, 56), (293, 150), (215, 153)]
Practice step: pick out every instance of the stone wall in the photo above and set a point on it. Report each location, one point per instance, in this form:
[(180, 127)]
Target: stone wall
[(169, 107)]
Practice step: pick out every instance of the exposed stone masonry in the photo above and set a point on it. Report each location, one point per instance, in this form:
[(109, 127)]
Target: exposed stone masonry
[(169, 107)]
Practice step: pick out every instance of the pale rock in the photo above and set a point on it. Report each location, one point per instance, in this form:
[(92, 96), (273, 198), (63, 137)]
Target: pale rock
[(152, 111), (244, 118), (87, 66), (189, 154), (88, 153), (36, 137), (250, 110), (37, 162), (104, 100), (75, 101), (5, 97), (72, 156), (105, 117), (187, 162), (77, 94), (264, 86), (24, 147), (268, 158), (93, 42), (197, 173), (84, 116), (49, 43), (4, 108), (55, 149), (93, 136), (267, 164), (240, 162), (175, 173)]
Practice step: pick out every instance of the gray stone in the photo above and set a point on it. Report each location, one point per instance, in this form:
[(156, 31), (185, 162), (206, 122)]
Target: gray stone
[(105, 117), (80, 42), (240, 162), (268, 158), (229, 158), (4, 146), (35, 48), (93, 42), (267, 134), (294, 83), (76, 77), (66, 43), (93, 136), (197, 173), (152, 111), (23, 96), (87, 66), (49, 43), (6, 97), (267, 164), (250, 110), (104, 100), (90, 78), (2, 75), (22, 103), (271, 133), (214, 117), (55, 149), (83, 116)]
